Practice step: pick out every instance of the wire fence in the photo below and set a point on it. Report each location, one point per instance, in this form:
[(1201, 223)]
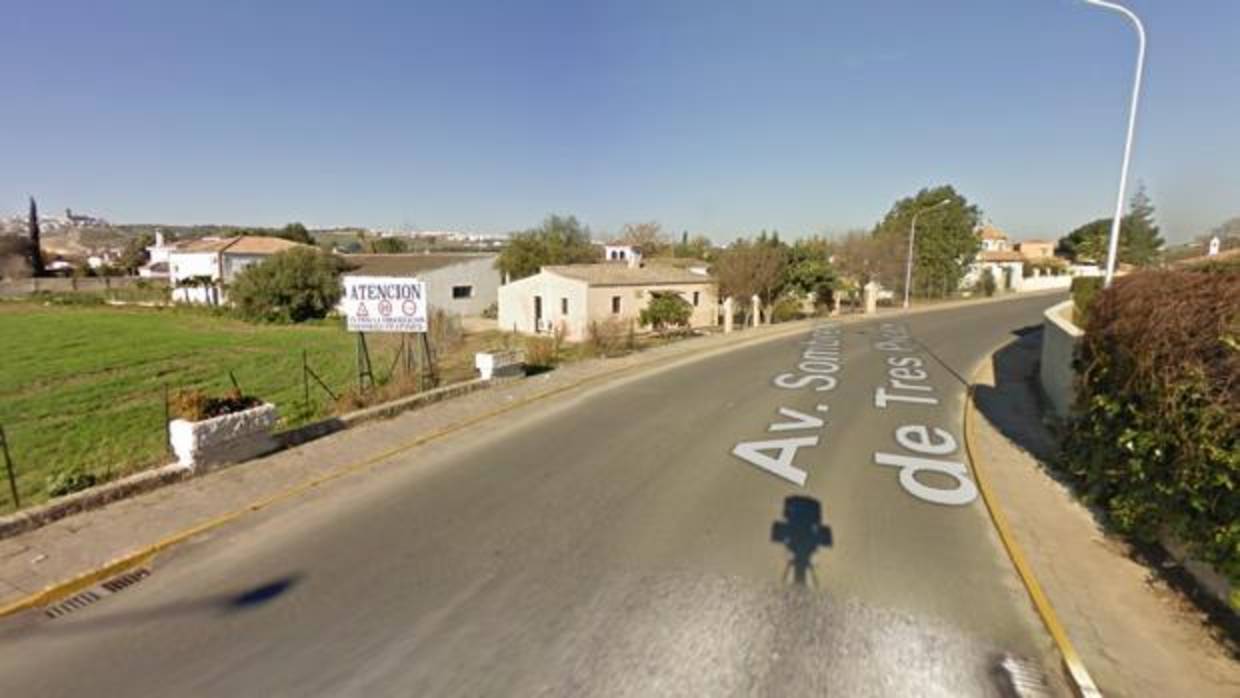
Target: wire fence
[(95, 426)]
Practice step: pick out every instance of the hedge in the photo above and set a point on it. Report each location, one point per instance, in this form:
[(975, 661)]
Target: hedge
[(1083, 290), (1155, 438)]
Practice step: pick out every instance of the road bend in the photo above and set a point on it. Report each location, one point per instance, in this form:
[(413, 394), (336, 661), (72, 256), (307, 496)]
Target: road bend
[(792, 518)]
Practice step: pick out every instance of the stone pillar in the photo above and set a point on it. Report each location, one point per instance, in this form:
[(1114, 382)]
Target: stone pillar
[(836, 299), (757, 310), (871, 298), (729, 312)]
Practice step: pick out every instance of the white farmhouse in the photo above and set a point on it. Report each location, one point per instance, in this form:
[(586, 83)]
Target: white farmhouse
[(573, 296), (200, 271)]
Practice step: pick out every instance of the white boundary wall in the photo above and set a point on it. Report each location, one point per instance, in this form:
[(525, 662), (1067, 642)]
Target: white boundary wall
[(1060, 339)]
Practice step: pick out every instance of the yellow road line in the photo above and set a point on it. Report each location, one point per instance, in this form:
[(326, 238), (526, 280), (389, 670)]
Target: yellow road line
[(68, 587), (59, 590), (1081, 681)]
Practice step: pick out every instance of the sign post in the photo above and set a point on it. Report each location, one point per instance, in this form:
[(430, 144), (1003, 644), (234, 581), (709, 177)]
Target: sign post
[(387, 304)]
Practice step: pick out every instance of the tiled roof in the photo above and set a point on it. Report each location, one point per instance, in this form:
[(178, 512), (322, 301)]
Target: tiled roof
[(241, 244), (989, 232), (1000, 256), (406, 264), (624, 275)]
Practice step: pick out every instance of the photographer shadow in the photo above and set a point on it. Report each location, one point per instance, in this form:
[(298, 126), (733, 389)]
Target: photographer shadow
[(802, 532)]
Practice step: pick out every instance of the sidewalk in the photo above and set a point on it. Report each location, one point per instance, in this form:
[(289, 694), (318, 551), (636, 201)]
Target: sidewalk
[(1137, 636), (91, 541), (97, 544)]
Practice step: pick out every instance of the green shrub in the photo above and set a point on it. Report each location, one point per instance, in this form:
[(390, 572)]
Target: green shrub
[(195, 405), (1084, 289), (291, 286), (666, 310), (1155, 439), (67, 298), (786, 309), (987, 282), (70, 480)]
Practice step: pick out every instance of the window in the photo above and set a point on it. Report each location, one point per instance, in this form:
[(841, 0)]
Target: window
[(695, 299), (615, 305), (462, 292), (564, 306)]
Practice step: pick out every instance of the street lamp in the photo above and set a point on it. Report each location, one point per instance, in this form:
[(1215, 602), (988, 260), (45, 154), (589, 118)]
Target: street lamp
[(1113, 245), (912, 235)]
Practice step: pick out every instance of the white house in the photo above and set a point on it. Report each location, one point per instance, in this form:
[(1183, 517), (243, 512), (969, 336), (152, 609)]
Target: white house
[(156, 266), (1005, 264), (622, 253), (200, 271), (461, 284), (573, 296)]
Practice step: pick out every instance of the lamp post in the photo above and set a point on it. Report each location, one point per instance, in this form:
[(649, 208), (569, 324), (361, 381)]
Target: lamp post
[(1113, 244), (912, 235)]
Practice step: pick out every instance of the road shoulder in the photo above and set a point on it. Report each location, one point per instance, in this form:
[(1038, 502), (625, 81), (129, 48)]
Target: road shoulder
[(1136, 636)]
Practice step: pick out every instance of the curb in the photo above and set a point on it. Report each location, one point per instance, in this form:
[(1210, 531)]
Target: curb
[(68, 587), (1082, 683), (58, 590), (143, 481)]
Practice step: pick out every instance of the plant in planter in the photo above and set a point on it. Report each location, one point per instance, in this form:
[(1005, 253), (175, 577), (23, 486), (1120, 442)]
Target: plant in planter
[(214, 430)]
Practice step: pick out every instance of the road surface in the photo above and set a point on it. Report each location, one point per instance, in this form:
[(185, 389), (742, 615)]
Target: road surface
[(612, 543)]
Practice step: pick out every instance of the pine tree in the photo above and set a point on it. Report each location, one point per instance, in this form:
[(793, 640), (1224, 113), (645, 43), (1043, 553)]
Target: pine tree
[(1140, 235), (36, 252)]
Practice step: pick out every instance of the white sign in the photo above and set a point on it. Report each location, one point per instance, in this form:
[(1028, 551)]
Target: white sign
[(384, 304)]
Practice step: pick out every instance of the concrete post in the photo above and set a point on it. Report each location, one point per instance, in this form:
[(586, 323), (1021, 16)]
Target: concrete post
[(871, 298), (836, 299), (757, 310), (729, 311)]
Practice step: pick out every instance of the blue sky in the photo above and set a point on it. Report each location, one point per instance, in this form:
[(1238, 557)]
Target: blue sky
[(716, 117)]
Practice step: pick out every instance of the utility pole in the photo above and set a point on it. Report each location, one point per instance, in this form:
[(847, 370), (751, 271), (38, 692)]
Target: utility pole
[(1113, 244), (912, 236)]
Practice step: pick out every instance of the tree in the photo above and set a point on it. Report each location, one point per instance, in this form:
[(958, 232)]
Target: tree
[(946, 239), (290, 286), (809, 269), (666, 309), (14, 256), (559, 240), (388, 246), (647, 237), (1144, 243), (134, 254), (751, 268), (699, 247), (988, 283), (861, 258), (36, 249), (1140, 242), (297, 233)]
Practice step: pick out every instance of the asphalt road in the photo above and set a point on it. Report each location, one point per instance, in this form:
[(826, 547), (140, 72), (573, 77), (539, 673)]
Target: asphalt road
[(608, 543)]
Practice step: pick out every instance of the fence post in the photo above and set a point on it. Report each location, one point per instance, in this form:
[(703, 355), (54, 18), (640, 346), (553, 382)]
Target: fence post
[(8, 466), (167, 425), (305, 382)]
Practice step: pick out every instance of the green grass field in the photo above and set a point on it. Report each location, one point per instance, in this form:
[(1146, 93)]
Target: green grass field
[(84, 386)]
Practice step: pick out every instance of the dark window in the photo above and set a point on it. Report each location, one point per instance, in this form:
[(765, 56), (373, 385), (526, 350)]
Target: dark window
[(615, 305), (462, 291), (564, 306), (695, 299)]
